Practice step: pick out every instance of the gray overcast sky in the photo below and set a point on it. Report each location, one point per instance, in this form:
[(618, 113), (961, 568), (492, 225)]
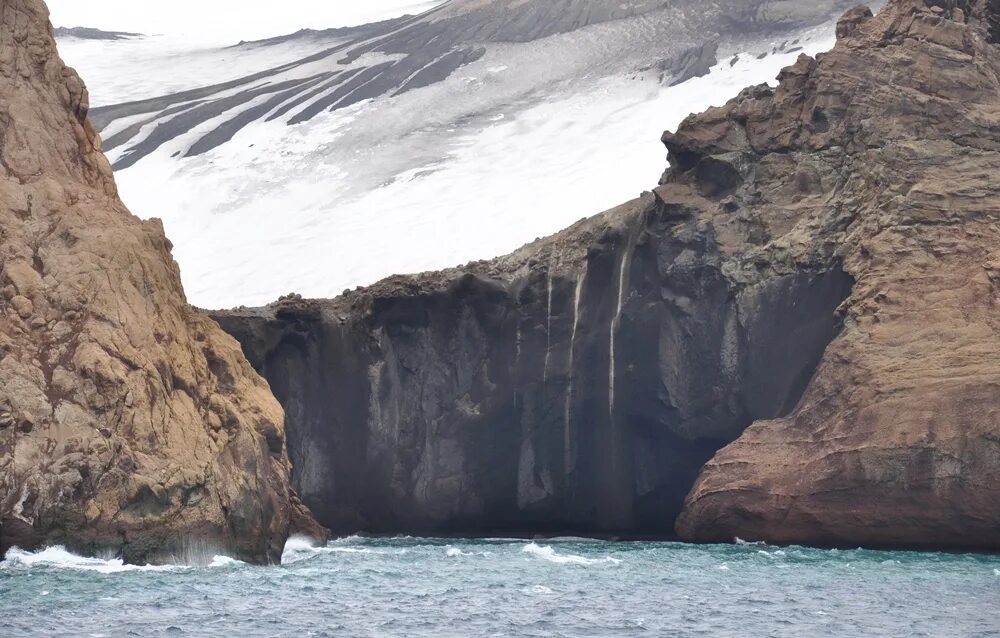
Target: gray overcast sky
[(226, 19)]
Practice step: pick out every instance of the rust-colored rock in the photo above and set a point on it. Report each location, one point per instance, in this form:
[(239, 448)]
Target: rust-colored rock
[(128, 421), (889, 146)]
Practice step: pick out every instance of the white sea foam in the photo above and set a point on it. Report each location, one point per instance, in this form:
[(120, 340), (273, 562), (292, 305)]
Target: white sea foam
[(299, 544), (546, 552), (59, 557), (454, 551), (537, 590), (740, 541), (298, 548), (225, 561), (298, 551), (347, 540), (996, 572)]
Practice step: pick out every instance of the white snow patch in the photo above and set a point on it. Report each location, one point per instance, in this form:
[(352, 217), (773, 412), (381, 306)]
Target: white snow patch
[(273, 212)]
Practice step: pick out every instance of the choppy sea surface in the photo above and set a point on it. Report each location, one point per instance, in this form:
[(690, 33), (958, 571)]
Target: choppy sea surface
[(564, 587)]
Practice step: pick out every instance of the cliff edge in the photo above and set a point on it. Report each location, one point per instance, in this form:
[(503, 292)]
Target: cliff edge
[(129, 422)]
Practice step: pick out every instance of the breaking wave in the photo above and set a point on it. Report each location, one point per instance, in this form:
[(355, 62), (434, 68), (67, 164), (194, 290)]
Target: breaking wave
[(225, 561), (546, 552), (743, 543), (58, 557)]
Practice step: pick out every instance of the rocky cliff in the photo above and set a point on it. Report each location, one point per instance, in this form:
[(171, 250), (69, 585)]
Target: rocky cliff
[(818, 265), (129, 422), (897, 439)]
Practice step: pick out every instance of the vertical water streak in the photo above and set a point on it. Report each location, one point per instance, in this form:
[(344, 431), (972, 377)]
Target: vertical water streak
[(517, 358), (567, 431), (615, 322), (548, 331)]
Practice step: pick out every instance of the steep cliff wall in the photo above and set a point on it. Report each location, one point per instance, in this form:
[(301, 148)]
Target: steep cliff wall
[(579, 384), (576, 386), (897, 440), (128, 421)]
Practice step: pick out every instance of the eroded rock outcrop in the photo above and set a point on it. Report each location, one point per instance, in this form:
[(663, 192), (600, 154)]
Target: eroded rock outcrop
[(579, 384), (576, 386), (897, 439), (128, 421)]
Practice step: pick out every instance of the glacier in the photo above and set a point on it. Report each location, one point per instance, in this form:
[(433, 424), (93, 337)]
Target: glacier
[(269, 181)]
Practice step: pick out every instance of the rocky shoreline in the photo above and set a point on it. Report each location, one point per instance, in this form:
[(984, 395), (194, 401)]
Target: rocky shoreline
[(791, 339), (805, 307)]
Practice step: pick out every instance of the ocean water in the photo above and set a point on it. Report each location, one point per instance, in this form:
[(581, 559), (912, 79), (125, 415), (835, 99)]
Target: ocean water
[(569, 587)]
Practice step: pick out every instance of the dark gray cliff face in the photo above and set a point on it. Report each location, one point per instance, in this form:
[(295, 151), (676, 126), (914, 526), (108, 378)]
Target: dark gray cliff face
[(576, 386)]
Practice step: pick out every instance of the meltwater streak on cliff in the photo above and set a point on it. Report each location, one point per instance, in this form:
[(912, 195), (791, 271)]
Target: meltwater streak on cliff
[(558, 587), (548, 326), (567, 424)]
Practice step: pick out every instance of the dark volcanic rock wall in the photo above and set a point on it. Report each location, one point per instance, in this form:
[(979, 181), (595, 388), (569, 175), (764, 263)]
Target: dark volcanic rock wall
[(576, 386)]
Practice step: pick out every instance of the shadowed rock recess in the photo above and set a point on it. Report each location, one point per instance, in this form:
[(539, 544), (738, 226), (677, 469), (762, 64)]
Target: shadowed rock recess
[(129, 423), (819, 264)]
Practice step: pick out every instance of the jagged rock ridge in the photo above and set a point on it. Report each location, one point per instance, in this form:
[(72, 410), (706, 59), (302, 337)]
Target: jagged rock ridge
[(129, 422), (819, 260)]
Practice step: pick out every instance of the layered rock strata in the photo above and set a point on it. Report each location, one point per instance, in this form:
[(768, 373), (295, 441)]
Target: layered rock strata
[(129, 422)]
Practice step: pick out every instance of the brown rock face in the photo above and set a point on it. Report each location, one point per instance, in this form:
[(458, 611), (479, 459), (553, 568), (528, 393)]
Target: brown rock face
[(128, 421), (889, 144)]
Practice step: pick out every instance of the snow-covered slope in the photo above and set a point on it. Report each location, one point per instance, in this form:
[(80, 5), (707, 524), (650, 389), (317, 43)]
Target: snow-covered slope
[(327, 160)]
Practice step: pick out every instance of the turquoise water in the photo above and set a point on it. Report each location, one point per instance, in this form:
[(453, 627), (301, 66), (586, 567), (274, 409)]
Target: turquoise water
[(429, 587)]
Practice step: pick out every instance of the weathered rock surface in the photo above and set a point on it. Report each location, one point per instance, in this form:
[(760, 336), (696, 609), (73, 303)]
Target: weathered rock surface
[(579, 384), (128, 421), (893, 137), (574, 387)]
